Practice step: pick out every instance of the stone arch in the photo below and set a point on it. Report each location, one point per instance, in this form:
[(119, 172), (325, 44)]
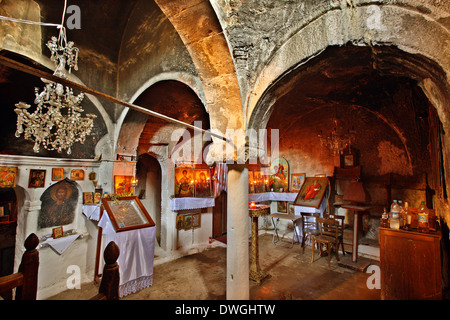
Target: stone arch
[(355, 25), (203, 37), (405, 40), (134, 124), (144, 135), (192, 83)]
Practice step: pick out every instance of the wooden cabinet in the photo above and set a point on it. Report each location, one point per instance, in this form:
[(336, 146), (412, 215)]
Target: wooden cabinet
[(410, 265)]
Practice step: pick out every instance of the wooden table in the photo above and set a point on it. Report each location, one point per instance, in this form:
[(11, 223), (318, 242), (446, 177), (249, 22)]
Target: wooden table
[(256, 274), (363, 264)]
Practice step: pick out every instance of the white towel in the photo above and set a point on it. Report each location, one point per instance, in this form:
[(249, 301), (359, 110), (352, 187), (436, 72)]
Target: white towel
[(61, 244)]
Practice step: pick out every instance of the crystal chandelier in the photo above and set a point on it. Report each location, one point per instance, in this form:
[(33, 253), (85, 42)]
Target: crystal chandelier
[(57, 123), (338, 139)]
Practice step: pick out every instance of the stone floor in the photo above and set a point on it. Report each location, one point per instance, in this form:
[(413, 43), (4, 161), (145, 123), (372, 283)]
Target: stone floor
[(201, 276)]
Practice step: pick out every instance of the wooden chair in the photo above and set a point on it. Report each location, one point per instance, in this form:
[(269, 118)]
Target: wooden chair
[(25, 280), (109, 285), (310, 227), (341, 220), (329, 236)]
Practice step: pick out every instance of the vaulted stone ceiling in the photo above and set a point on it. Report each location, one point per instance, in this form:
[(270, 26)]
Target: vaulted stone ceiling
[(102, 24), (344, 75)]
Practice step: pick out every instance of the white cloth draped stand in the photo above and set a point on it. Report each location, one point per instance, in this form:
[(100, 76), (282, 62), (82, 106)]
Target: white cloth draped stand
[(137, 248), (191, 203), (272, 196)]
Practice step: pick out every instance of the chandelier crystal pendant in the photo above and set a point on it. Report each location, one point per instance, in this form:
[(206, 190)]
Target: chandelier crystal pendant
[(57, 123), (338, 139)]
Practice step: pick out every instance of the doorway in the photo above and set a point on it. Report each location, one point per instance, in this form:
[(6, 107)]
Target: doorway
[(148, 173), (219, 228)]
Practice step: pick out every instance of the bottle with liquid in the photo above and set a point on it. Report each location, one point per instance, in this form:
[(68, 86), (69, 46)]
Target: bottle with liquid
[(385, 219), (422, 221), (394, 219), (408, 217), (402, 214)]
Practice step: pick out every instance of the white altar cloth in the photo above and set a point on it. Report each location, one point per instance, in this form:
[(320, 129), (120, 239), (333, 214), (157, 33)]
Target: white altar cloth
[(137, 248), (272, 196), (92, 211), (190, 203)]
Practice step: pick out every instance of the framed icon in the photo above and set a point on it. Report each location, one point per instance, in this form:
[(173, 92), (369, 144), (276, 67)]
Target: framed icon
[(88, 197), (184, 182), (297, 180), (202, 183), (37, 178), (312, 192), (127, 213), (57, 174), (57, 232), (8, 177), (77, 174)]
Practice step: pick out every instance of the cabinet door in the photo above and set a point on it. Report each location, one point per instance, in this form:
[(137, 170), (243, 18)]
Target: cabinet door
[(410, 266)]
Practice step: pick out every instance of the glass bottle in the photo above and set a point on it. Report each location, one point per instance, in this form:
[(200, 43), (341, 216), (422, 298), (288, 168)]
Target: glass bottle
[(394, 219), (385, 219), (408, 217), (422, 220), (402, 214)]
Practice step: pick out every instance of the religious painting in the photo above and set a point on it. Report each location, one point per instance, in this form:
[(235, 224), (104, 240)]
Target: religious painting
[(77, 174), (59, 203), (291, 209), (196, 220), (202, 183), (127, 213), (184, 182), (122, 185), (349, 158), (282, 206), (88, 198), (259, 180), (92, 175), (312, 192), (57, 232), (279, 175), (8, 177), (37, 178), (57, 174), (180, 222), (98, 195), (188, 222), (251, 182), (297, 180)]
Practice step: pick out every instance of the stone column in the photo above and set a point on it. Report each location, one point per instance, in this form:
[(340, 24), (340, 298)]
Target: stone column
[(238, 287)]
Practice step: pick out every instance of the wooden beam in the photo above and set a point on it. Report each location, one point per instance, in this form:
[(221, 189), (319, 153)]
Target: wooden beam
[(42, 74)]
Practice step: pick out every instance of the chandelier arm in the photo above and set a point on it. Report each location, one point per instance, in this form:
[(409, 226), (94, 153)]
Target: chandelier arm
[(42, 74)]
